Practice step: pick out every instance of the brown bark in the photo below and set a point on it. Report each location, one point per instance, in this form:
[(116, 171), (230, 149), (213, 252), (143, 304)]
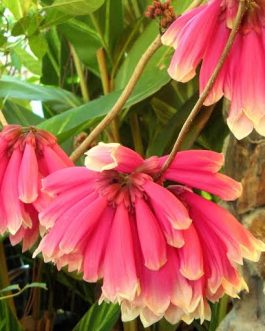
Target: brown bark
[(245, 161)]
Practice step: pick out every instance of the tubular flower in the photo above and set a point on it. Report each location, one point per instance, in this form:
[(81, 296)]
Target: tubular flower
[(26, 155), (111, 220), (242, 78)]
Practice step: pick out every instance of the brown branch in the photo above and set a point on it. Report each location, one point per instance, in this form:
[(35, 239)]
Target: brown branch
[(121, 101), (187, 125)]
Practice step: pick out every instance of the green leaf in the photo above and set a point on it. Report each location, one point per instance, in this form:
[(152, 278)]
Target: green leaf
[(162, 142), (99, 318), (38, 44), (36, 284), (28, 61), (11, 87), (3, 40), (15, 7), (135, 53), (9, 288), (76, 119), (76, 7), (79, 32), (181, 6)]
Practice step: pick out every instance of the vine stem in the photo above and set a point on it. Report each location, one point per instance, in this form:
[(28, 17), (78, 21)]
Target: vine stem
[(188, 123), (80, 150)]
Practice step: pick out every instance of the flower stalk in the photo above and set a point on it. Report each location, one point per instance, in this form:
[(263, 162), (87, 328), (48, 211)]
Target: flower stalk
[(121, 101), (196, 109)]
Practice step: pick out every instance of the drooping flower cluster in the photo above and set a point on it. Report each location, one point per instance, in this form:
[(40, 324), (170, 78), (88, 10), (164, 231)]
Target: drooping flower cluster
[(160, 251), (200, 35), (27, 154)]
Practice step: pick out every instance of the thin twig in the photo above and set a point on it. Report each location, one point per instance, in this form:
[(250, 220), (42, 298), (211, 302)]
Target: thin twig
[(121, 101), (187, 125)]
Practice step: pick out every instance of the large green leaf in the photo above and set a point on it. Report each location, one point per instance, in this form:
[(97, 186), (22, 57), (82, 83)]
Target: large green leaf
[(28, 60), (164, 137), (76, 7), (85, 40), (17, 114), (73, 120), (159, 61), (11, 87), (153, 78), (99, 318)]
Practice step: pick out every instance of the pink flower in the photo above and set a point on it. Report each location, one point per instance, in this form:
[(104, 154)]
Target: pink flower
[(159, 250), (200, 35), (26, 155)]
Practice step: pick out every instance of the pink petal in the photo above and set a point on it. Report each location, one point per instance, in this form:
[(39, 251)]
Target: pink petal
[(112, 156), (240, 242), (154, 250), (223, 186), (28, 236), (120, 279), (173, 33), (191, 45), (96, 247), (49, 245), (62, 203), (158, 286), (84, 222), (252, 86), (196, 159), (52, 159), (62, 155), (15, 212), (239, 124), (166, 203), (28, 177), (191, 258), (210, 59), (67, 178)]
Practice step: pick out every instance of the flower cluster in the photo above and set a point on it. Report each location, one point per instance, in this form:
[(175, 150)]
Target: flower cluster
[(160, 248), (26, 156), (161, 251), (200, 35)]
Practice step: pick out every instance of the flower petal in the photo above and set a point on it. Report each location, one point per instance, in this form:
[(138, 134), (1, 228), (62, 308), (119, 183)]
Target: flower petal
[(165, 202), (28, 177), (120, 279), (112, 156), (154, 250)]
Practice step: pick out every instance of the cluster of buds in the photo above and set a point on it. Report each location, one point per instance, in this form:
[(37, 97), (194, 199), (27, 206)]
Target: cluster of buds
[(162, 10)]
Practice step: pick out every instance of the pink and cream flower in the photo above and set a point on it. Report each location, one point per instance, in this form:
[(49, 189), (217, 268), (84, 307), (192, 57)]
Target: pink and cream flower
[(200, 35), (161, 251), (27, 154)]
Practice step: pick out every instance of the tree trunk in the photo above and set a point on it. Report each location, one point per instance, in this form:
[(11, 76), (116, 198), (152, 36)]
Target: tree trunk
[(245, 162)]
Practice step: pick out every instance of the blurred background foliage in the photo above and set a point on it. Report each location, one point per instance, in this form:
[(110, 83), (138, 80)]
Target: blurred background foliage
[(63, 64)]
